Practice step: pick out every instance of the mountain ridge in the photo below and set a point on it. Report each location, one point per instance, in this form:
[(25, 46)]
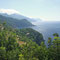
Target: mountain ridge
[(20, 16), (16, 23)]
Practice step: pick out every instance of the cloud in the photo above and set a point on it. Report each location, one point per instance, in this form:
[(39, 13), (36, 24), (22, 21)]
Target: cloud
[(9, 11)]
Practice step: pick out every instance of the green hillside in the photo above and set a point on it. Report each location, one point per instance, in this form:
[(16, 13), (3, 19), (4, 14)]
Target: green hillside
[(15, 23), (31, 34), (27, 44)]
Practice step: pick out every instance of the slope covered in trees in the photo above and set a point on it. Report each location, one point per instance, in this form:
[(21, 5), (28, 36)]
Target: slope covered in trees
[(15, 23), (31, 34), (11, 49)]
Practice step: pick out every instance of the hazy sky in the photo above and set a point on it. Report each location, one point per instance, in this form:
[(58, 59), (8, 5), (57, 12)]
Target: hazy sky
[(44, 9)]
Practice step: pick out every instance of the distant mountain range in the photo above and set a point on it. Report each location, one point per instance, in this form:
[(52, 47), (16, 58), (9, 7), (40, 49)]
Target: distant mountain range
[(18, 16), (15, 19), (16, 23)]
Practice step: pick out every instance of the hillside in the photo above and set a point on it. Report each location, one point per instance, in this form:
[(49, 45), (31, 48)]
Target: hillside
[(19, 16), (15, 23), (20, 44), (31, 34)]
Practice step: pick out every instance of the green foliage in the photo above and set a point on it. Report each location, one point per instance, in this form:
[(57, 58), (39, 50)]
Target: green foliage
[(42, 52), (56, 34), (49, 41), (13, 54), (2, 53), (30, 34), (54, 50), (33, 47), (29, 50)]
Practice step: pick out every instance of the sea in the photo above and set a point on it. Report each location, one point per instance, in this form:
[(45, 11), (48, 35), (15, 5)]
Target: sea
[(47, 28)]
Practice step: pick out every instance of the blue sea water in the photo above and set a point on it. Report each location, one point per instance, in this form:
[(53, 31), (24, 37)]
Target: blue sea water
[(48, 29)]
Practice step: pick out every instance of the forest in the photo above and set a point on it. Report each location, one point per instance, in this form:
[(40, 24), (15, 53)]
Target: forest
[(27, 44)]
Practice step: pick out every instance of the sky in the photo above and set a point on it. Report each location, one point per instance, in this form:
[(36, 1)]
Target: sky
[(47, 10)]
